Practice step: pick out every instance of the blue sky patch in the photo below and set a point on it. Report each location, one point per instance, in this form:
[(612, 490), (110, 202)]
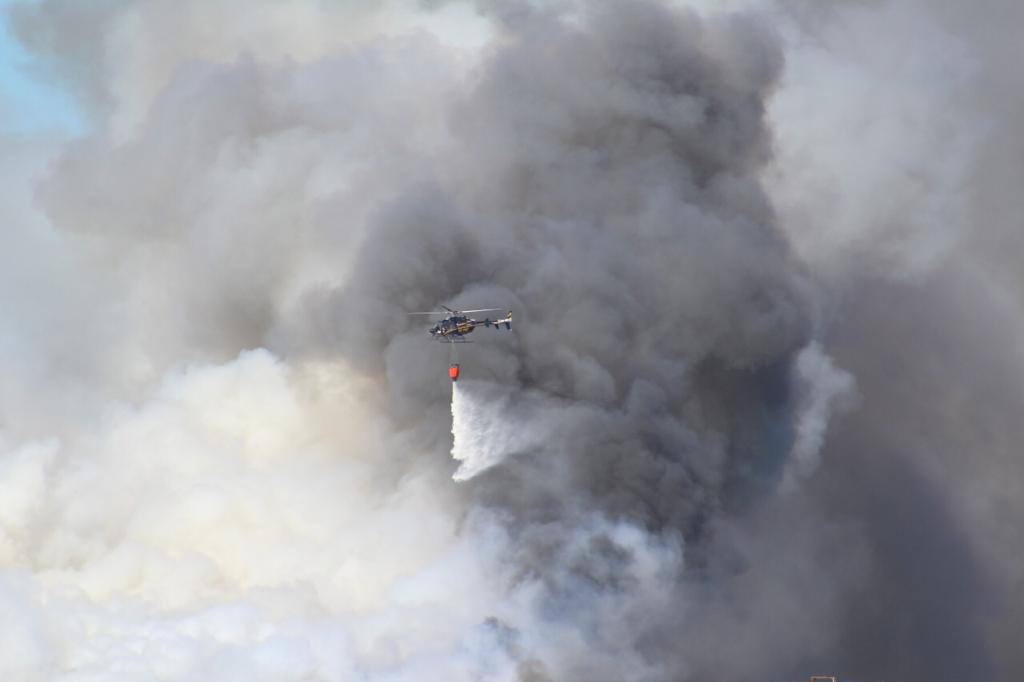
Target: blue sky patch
[(28, 103)]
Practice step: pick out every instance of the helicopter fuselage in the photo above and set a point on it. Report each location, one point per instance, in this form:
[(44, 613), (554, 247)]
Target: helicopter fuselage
[(453, 328)]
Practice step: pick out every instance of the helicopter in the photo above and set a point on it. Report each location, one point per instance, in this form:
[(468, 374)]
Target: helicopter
[(457, 323)]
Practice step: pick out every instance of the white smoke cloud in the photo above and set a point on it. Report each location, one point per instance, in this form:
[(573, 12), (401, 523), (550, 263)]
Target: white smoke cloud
[(875, 143), (230, 526), (823, 389)]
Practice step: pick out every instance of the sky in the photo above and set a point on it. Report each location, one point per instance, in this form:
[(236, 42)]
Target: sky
[(31, 103)]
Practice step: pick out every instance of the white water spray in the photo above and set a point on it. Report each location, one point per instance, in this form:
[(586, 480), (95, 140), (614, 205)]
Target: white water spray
[(486, 426)]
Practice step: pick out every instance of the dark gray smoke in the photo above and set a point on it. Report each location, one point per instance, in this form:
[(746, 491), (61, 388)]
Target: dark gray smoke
[(756, 419)]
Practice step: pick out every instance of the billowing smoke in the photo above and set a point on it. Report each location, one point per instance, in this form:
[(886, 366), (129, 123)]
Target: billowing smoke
[(757, 419)]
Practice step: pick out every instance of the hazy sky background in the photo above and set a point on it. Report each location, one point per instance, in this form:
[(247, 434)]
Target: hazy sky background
[(31, 102)]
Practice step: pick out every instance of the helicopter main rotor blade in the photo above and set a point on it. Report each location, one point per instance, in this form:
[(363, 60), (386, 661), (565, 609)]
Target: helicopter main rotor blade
[(451, 311)]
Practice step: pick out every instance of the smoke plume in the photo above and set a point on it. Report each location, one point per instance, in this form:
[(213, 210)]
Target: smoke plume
[(758, 418)]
